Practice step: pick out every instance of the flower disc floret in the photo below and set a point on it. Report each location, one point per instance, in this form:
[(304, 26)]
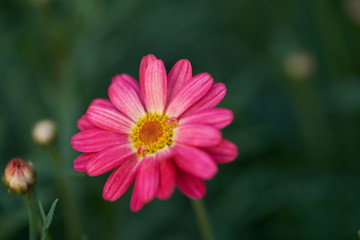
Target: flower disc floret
[(152, 133)]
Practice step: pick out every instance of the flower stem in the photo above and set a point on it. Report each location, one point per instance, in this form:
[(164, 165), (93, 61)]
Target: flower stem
[(66, 196), (202, 219), (30, 204)]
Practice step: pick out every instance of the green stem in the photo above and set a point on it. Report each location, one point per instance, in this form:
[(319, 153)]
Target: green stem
[(30, 204), (202, 219), (66, 196)]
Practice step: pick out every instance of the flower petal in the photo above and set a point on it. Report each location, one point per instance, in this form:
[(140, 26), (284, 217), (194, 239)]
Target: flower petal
[(129, 79), (167, 179), (197, 135), (154, 87), (126, 99), (145, 62), (147, 179), (84, 123), (189, 94), (194, 161), (178, 76), (120, 180), (81, 161), (216, 117), (212, 98), (107, 117), (95, 140), (190, 185), (224, 152), (136, 204), (109, 159), (103, 103)]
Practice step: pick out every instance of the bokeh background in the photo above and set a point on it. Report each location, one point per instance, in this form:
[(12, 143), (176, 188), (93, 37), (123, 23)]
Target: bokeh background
[(292, 70)]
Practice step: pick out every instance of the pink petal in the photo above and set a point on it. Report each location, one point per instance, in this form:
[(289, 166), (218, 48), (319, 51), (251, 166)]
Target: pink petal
[(102, 102), (216, 117), (109, 159), (107, 117), (136, 204), (178, 76), (189, 94), (145, 62), (126, 100), (212, 98), (120, 180), (224, 152), (95, 140), (197, 135), (147, 179), (129, 79), (84, 123), (154, 87), (194, 161), (190, 185), (81, 161), (167, 179)]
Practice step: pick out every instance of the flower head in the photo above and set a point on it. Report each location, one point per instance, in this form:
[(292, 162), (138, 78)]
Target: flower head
[(44, 132), (19, 176), (300, 65), (162, 132)]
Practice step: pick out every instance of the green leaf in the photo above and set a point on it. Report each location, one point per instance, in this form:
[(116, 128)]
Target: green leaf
[(47, 219), (43, 216), (50, 215)]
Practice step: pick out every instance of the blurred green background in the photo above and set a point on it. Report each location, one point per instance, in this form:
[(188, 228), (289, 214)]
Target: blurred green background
[(292, 70)]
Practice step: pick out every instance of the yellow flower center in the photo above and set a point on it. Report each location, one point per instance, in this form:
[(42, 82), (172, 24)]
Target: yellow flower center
[(152, 132)]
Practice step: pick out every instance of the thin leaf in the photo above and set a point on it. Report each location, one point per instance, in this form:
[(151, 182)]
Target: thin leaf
[(43, 216), (50, 215), (47, 219)]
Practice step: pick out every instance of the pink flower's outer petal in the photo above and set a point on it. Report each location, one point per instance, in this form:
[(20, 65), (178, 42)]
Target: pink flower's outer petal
[(216, 117), (81, 161), (120, 180), (103, 103), (224, 152), (129, 79), (136, 204), (109, 159), (147, 179), (84, 123), (126, 100), (109, 118), (212, 98), (95, 140), (167, 179), (178, 76), (194, 161), (189, 94), (197, 135), (155, 87), (190, 185), (145, 62)]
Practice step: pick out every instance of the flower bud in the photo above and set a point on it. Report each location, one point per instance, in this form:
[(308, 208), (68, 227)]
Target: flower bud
[(19, 176), (44, 132), (352, 10), (300, 65)]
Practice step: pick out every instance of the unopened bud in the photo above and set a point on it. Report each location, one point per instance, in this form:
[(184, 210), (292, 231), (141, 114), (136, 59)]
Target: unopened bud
[(300, 65), (19, 176), (44, 132), (352, 9)]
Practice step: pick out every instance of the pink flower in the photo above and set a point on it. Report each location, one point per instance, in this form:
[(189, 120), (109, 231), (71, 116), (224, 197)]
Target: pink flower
[(162, 132), (19, 176)]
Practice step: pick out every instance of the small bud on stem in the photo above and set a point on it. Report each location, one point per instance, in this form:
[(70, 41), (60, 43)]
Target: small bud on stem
[(19, 176)]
